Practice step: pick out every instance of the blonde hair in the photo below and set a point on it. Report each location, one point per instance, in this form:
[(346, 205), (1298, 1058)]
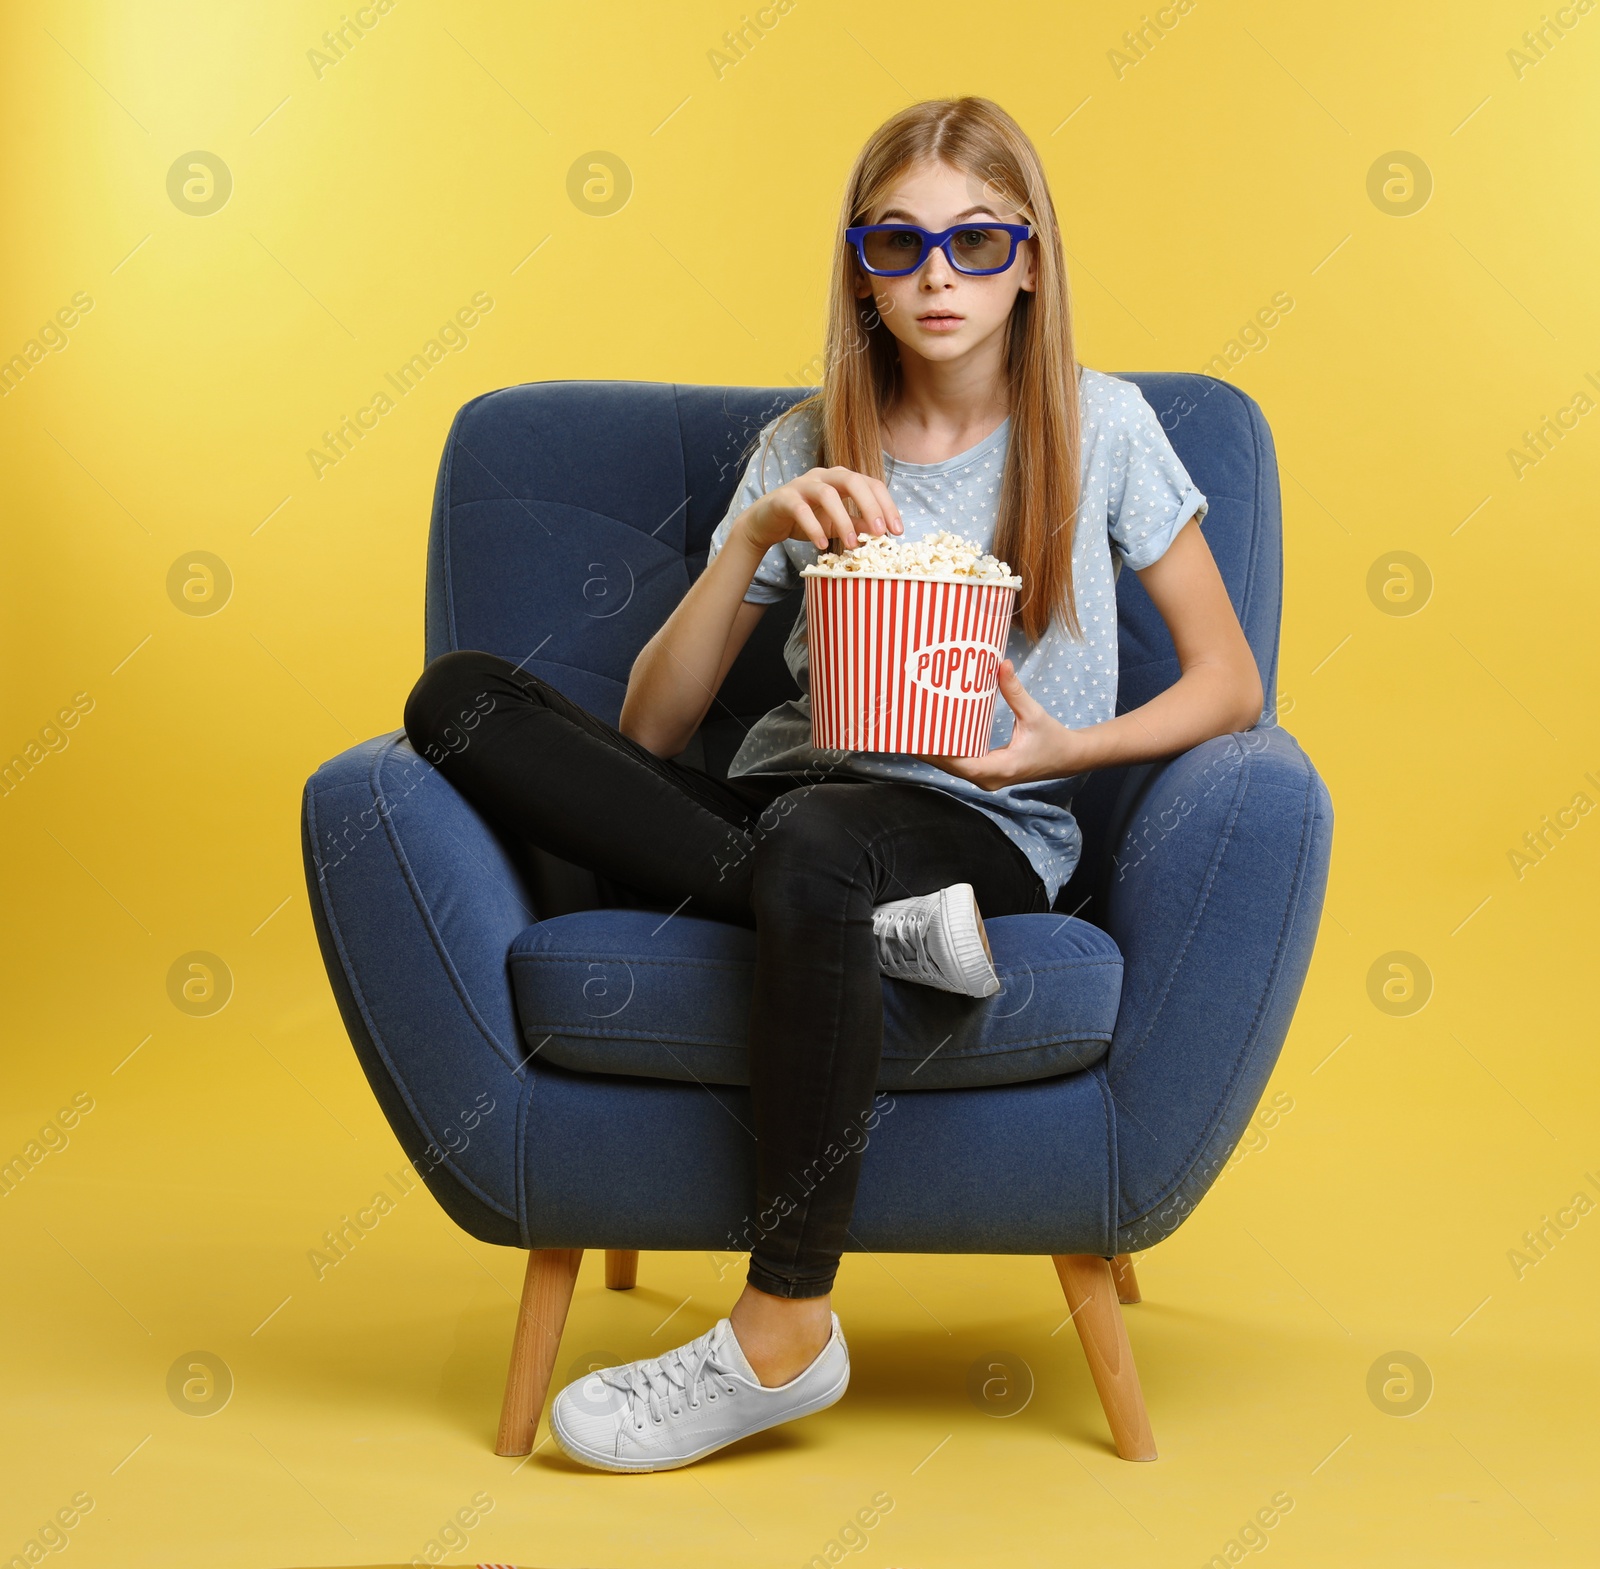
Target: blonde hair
[(1039, 488)]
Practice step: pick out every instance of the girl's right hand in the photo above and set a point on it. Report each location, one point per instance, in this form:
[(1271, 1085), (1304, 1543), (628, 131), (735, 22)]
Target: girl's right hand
[(814, 507)]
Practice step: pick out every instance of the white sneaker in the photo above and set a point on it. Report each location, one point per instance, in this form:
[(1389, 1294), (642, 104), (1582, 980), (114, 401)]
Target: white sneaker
[(936, 939), (667, 1411)]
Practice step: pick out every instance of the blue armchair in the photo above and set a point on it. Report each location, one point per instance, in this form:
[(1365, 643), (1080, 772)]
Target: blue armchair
[(565, 1066)]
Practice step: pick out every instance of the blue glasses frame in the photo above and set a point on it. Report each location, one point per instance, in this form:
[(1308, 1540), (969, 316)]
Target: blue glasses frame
[(928, 239)]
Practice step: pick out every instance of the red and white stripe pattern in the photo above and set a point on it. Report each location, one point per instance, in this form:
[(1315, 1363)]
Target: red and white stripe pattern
[(905, 664)]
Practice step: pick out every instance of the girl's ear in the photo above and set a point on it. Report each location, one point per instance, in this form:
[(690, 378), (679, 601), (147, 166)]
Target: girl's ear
[(1030, 270)]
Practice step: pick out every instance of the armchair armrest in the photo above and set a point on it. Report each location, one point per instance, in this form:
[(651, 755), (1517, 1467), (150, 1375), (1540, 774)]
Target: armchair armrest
[(415, 903), (1214, 895)]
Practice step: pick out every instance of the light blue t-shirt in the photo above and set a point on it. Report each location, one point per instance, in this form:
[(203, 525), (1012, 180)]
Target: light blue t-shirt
[(1135, 495)]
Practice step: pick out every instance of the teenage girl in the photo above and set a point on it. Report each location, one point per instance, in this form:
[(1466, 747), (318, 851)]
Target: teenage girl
[(952, 399)]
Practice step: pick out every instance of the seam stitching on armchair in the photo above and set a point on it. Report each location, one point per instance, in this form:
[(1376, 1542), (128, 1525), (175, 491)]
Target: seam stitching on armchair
[(1111, 1201), (1264, 445), (1247, 596), (1268, 991), (689, 962), (1114, 1200), (376, 1037), (1261, 437), (709, 1084), (1247, 593), (569, 1032), (428, 923), (1197, 914), (446, 483), (1135, 1049), (1274, 975), (1255, 421), (524, 1112)]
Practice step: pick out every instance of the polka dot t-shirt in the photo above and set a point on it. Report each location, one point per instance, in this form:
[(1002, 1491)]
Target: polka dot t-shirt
[(1135, 496)]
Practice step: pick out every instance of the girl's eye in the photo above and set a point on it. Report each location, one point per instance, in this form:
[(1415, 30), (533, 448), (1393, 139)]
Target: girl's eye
[(901, 241)]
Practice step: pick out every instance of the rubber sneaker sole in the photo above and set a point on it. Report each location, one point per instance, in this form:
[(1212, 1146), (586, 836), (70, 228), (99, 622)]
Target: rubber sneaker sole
[(966, 943)]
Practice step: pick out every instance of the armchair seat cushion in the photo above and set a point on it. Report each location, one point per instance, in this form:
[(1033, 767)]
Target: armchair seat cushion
[(668, 997)]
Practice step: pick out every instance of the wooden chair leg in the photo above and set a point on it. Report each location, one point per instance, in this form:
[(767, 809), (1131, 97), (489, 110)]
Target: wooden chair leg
[(622, 1269), (1091, 1294), (546, 1295), (1127, 1281)]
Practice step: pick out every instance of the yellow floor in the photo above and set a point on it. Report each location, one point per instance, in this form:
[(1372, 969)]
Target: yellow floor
[(362, 1414)]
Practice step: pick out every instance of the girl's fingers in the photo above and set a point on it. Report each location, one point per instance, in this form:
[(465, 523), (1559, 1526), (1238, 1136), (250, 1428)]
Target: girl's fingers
[(849, 487), (876, 504), (837, 519), (868, 503), (871, 497), (891, 513), (1020, 700), (806, 521)]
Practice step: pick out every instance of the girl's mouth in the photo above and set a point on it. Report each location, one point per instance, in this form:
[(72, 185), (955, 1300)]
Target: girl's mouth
[(941, 322)]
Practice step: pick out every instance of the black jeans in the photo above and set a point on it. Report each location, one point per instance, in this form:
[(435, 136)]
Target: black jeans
[(800, 858)]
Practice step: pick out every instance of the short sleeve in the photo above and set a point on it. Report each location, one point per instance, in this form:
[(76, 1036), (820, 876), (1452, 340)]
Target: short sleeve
[(1153, 496), (769, 466)]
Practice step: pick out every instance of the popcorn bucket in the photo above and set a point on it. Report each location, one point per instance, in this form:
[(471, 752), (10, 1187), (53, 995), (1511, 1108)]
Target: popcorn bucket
[(905, 664)]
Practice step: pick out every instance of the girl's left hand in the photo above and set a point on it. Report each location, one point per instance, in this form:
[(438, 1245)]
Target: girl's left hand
[(1041, 747)]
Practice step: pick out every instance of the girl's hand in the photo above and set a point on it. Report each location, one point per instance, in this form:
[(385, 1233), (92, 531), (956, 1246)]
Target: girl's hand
[(1041, 747), (815, 507)]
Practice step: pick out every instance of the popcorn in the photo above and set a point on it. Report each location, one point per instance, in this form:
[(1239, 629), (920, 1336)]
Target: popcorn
[(942, 555)]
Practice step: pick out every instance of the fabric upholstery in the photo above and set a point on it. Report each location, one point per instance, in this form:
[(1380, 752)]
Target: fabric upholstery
[(631, 991), (569, 518)]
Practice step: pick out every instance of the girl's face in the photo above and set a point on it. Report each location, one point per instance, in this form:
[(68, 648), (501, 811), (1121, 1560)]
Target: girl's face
[(936, 196)]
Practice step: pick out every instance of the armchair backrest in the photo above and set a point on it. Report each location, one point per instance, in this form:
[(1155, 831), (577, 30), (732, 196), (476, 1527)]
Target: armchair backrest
[(571, 516)]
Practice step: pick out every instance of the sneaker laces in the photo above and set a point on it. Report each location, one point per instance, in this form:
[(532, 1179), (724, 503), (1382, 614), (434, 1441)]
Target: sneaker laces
[(905, 932), (652, 1385)]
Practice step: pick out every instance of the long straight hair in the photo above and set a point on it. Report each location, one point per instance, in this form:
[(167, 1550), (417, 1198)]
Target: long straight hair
[(1039, 488)]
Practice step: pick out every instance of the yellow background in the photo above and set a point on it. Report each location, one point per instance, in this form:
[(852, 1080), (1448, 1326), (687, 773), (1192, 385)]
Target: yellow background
[(1230, 163)]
